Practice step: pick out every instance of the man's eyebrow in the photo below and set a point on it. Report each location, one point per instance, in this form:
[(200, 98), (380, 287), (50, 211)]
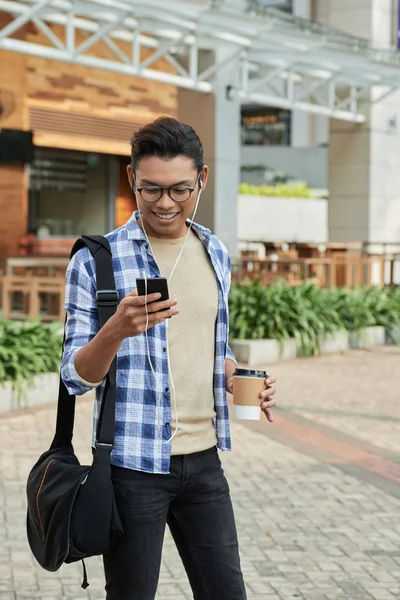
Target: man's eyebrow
[(184, 181)]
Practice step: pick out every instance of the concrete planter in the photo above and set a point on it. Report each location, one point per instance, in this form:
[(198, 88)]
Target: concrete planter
[(44, 391), (394, 337), (258, 352), (368, 337), (334, 343)]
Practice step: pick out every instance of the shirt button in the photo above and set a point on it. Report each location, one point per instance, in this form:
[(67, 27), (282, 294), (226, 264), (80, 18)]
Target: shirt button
[(167, 424), (164, 349), (167, 389)]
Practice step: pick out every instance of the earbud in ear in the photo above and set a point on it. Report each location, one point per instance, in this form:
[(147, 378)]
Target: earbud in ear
[(200, 183)]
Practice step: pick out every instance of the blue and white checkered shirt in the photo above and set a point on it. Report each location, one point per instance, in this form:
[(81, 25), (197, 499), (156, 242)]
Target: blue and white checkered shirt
[(138, 439)]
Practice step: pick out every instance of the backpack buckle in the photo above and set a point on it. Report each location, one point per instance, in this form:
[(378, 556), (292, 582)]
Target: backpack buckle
[(107, 297)]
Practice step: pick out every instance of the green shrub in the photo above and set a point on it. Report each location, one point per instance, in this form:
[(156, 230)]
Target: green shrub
[(364, 307), (308, 313), (281, 190), (281, 312), (354, 311), (26, 349)]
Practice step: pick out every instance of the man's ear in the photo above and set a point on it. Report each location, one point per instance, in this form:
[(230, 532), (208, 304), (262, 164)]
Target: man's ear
[(131, 176), (203, 178)]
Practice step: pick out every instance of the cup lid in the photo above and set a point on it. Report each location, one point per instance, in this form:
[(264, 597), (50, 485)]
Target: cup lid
[(250, 373)]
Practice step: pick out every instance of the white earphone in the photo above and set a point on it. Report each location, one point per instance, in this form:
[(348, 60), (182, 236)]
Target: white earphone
[(166, 322)]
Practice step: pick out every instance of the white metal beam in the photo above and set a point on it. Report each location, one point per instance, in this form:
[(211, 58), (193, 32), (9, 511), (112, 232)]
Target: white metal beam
[(281, 63), (32, 11)]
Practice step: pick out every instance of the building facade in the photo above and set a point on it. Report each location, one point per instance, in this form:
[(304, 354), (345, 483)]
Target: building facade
[(82, 120)]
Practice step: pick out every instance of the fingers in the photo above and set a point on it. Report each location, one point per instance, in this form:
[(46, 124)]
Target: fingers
[(158, 317), (268, 414), (136, 300), (266, 394), (153, 306), (268, 404)]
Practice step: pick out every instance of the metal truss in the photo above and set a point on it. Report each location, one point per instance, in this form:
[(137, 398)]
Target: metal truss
[(277, 59)]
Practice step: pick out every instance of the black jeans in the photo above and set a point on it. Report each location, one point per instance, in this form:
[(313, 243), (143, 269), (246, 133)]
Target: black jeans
[(194, 500)]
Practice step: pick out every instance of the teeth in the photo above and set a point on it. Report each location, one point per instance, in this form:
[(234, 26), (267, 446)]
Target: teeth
[(166, 217)]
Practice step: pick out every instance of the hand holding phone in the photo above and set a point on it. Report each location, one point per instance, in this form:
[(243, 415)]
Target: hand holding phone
[(133, 319)]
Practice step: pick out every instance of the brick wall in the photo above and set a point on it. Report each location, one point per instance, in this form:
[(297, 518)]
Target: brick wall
[(13, 179), (13, 209)]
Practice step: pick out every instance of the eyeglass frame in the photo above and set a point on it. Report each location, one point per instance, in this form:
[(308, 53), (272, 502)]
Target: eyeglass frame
[(167, 189)]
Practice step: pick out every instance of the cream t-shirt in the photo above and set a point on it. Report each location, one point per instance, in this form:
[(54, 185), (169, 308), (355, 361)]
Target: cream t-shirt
[(191, 336)]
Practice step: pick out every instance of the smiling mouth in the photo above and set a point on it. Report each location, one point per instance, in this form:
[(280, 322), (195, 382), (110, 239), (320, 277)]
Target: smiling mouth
[(166, 216)]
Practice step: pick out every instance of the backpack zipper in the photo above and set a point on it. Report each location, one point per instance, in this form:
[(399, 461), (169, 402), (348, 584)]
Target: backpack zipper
[(37, 496)]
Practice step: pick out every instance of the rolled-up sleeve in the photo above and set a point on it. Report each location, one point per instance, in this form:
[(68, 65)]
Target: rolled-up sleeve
[(228, 270), (230, 355), (82, 318)]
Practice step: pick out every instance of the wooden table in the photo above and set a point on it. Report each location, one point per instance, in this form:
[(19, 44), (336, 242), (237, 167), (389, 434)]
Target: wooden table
[(30, 263)]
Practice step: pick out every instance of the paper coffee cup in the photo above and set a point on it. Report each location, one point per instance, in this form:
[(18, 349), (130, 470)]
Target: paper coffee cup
[(247, 386)]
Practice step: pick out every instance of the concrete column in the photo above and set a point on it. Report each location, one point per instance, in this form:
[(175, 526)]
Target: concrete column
[(364, 162), (216, 118), (301, 121)]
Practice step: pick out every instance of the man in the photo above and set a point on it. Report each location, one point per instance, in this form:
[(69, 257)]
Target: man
[(166, 467)]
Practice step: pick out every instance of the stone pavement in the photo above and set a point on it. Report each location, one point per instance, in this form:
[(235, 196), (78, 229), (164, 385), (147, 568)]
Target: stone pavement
[(316, 494)]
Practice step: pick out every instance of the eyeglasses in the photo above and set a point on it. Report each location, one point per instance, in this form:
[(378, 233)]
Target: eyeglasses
[(177, 193)]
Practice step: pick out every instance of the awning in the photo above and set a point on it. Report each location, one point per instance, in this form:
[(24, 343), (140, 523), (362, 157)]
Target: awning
[(283, 61)]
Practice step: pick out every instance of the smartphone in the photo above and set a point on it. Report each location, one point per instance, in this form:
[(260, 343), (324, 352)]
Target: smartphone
[(154, 285)]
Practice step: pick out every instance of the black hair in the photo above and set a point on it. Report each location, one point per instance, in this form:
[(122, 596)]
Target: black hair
[(166, 138)]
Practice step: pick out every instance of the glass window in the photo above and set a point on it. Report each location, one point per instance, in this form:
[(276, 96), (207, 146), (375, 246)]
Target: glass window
[(68, 193), (265, 127)]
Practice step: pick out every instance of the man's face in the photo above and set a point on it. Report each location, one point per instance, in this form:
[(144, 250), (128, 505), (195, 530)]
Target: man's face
[(166, 218)]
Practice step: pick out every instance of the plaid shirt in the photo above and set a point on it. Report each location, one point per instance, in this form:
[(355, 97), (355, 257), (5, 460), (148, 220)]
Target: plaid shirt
[(138, 439)]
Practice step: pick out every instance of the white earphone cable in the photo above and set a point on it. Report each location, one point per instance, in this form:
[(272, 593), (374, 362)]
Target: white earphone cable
[(166, 322)]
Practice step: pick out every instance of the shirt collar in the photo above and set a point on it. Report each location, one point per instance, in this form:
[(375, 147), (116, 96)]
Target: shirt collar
[(135, 233)]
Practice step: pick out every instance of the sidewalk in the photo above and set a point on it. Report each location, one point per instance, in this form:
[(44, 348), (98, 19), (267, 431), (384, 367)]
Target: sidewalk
[(317, 494)]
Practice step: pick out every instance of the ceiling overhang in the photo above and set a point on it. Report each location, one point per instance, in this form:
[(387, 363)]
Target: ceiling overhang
[(282, 61)]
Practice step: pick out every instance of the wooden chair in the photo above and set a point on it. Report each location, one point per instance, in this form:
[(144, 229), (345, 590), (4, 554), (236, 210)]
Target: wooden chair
[(37, 292)]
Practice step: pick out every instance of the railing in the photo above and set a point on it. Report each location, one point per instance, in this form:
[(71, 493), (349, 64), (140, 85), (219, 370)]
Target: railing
[(347, 270)]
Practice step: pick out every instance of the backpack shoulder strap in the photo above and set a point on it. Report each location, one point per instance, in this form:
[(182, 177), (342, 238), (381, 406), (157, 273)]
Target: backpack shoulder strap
[(107, 301), (106, 294)]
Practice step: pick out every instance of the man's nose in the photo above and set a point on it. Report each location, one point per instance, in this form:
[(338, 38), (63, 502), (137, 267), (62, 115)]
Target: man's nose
[(165, 202)]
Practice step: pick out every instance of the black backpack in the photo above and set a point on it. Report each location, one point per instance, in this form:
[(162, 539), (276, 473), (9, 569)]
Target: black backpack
[(71, 508)]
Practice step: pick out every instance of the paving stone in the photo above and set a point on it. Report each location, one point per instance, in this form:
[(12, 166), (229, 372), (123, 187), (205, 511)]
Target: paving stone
[(307, 529)]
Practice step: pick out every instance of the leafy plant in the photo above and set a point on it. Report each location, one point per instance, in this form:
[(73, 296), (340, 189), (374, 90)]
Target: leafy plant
[(364, 307), (308, 313), (281, 190), (281, 312), (28, 348)]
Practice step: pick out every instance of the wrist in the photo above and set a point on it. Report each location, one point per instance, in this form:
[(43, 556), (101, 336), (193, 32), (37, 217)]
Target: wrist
[(112, 333)]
